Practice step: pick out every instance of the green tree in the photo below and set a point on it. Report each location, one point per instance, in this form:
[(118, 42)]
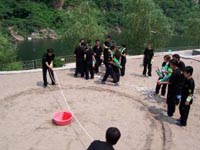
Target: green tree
[(144, 22), (82, 22)]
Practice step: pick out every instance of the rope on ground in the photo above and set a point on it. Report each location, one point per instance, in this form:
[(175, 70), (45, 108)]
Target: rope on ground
[(69, 108)]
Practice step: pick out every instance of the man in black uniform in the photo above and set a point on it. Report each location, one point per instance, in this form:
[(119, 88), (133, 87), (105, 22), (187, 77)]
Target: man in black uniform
[(79, 54), (47, 64), (123, 59), (181, 64), (106, 47), (90, 59), (147, 61), (173, 88), (97, 52), (187, 96), (109, 66), (112, 136)]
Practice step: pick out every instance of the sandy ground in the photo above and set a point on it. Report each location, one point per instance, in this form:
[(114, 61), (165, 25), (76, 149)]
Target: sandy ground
[(26, 110)]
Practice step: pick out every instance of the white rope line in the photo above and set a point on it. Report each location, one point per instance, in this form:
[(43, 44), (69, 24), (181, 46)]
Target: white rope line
[(69, 108)]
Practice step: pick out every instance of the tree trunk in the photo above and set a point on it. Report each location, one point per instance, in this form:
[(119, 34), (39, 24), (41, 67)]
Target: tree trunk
[(58, 4)]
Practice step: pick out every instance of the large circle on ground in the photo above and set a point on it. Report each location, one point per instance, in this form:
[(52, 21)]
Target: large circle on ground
[(26, 120)]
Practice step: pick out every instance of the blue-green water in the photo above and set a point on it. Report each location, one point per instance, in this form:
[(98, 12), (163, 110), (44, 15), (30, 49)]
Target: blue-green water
[(34, 49)]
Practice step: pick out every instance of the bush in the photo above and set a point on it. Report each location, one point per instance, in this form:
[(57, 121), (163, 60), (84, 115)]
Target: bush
[(11, 66), (59, 62)]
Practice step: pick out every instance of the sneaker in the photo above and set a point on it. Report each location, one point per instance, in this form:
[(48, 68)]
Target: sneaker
[(143, 75), (45, 85), (53, 83), (103, 82), (179, 124), (116, 84)]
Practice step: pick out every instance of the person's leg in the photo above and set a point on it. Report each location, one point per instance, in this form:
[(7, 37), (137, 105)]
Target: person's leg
[(163, 90), (181, 109), (149, 68), (112, 74), (76, 70), (87, 72), (157, 88), (91, 72), (170, 105), (97, 65), (185, 114), (118, 75), (82, 68), (106, 74), (51, 75), (145, 68), (122, 69), (44, 72)]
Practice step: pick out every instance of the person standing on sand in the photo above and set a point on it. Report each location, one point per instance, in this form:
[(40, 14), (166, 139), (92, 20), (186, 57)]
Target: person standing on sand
[(147, 61), (123, 59), (112, 136), (109, 66), (186, 96), (173, 88), (47, 64), (90, 63), (97, 53), (79, 55)]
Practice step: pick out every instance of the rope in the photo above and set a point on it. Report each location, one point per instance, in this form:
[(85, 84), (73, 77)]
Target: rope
[(69, 108)]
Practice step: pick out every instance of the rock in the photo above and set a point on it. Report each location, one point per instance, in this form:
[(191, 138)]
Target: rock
[(44, 33), (15, 35), (48, 33), (35, 35), (58, 4)]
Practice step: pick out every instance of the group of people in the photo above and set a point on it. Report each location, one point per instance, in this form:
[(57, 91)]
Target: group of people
[(89, 59), (173, 74), (178, 78)]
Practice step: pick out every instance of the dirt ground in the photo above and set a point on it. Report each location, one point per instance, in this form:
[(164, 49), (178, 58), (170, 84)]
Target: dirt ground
[(26, 110)]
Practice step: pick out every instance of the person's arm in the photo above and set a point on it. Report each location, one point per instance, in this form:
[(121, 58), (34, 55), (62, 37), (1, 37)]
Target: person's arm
[(124, 52), (191, 92)]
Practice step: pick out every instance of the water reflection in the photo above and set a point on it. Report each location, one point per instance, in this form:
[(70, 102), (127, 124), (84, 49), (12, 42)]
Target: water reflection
[(34, 49)]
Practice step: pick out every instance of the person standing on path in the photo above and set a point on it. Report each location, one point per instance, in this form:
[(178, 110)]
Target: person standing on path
[(47, 64)]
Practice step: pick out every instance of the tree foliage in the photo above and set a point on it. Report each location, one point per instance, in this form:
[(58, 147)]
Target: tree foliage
[(144, 22), (139, 21)]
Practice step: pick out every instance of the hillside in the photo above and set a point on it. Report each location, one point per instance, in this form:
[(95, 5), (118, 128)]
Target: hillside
[(132, 22)]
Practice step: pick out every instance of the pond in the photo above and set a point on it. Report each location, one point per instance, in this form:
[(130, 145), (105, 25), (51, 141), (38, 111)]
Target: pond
[(34, 49)]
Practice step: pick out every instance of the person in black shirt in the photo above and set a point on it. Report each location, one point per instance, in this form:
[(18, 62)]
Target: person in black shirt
[(173, 88), (116, 69), (181, 64), (79, 54), (112, 136), (123, 59), (47, 64), (186, 96), (97, 53), (147, 61), (106, 47), (109, 66), (90, 59)]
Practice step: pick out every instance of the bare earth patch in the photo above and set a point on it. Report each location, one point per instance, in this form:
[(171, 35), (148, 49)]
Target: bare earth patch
[(26, 110)]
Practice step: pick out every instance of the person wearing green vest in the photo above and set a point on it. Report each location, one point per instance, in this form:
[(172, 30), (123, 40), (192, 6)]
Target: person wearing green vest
[(164, 75)]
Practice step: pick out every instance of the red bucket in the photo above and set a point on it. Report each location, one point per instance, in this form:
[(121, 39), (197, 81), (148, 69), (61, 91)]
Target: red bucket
[(62, 118)]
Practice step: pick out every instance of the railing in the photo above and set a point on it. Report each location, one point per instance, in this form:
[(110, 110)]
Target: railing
[(61, 60), (34, 64)]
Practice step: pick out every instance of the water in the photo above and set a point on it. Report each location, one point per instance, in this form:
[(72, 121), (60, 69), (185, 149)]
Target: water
[(34, 49)]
